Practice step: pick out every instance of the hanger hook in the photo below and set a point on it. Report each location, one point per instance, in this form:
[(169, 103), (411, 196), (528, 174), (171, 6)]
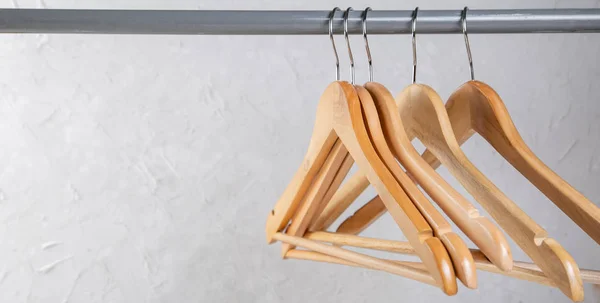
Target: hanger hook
[(348, 43), (368, 49), (337, 58), (464, 29), (414, 43)]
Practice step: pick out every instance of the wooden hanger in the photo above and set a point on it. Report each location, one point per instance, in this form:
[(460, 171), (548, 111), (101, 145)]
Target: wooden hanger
[(424, 116), (462, 259), (339, 116), (479, 229), (476, 107)]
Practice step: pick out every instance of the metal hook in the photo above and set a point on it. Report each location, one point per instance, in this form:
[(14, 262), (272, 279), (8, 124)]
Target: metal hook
[(348, 43), (368, 49), (414, 44), (464, 28), (337, 58)]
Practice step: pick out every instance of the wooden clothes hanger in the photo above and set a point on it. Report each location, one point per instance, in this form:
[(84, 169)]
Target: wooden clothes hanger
[(428, 120), (554, 261), (339, 117), (425, 117), (480, 230), (476, 108)]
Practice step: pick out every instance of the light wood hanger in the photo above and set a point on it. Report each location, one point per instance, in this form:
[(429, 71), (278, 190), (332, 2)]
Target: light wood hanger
[(476, 108), (479, 229), (429, 122), (462, 259), (436, 133), (339, 115), (425, 117)]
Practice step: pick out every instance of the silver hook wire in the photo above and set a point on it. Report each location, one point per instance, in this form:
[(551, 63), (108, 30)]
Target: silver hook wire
[(464, 29), (414, 44), (337, 58), (348, 43), (368, 49)]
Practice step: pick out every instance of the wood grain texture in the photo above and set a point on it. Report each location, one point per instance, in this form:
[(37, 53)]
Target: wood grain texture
[(464, 267), (476, 108), (425, 117)]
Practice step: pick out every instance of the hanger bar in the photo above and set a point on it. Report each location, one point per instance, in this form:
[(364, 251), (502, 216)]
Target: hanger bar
[(215, 22)]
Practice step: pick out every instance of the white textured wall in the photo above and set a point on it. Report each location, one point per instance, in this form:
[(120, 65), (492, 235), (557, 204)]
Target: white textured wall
[(142, 168)]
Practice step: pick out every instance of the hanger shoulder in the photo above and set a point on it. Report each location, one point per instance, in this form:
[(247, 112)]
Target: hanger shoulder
[(491, 119), (427, 119), (460, 254), (479, 229)]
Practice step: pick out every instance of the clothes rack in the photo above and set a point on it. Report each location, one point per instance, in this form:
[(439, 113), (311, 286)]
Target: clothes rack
[(215, 22)]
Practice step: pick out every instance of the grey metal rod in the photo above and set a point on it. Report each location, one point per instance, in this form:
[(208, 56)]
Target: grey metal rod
[(292, 22)]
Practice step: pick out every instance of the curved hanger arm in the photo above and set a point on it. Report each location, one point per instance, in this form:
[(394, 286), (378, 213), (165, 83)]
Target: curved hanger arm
[(476, 107), (425, 117)]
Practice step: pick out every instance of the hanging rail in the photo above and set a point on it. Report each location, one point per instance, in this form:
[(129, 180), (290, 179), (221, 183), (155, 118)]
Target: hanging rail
[(292, 22)]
